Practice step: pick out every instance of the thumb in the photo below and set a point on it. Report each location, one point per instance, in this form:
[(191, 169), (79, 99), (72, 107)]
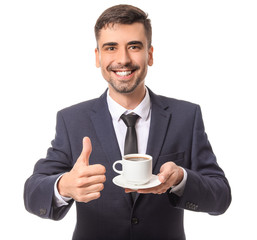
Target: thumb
[(164, 173), (86, 151), (161, 178)]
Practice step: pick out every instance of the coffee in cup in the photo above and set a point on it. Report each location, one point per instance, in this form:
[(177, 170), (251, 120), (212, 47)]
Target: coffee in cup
[(136, 168)]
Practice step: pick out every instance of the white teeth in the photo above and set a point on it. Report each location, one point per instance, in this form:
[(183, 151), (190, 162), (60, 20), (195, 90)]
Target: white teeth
[(125, 73)]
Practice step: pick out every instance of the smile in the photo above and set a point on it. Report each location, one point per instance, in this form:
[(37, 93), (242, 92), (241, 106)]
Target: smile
[(123, 73)]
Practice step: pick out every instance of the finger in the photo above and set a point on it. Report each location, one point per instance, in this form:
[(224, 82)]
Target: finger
[(171, 175), (155, 190), (88, 181), (148, 190), (94, 188), (128, 190), (86, 151), (161, 178), (83, 194), (88, 197), (165, 172), (84, 172), (93, 170)]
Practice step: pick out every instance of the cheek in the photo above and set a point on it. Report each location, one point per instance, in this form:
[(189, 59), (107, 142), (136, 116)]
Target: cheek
[(144, 65), (105, 61), (143, 60)]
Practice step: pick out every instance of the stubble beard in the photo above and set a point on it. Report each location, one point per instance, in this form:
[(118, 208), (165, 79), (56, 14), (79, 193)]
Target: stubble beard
[(125, 86)]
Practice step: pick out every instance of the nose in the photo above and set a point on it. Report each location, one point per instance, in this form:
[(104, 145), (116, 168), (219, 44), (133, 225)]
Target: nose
[(123, 56)]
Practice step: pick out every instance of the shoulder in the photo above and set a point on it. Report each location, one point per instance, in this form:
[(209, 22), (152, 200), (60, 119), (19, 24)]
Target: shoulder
[(179, 109), (85, 107), (177, 103), (173, 103), (77, 110), (81, 112), (79, 107)]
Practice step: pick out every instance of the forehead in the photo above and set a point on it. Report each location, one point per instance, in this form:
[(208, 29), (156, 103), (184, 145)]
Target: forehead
[(122, 33)]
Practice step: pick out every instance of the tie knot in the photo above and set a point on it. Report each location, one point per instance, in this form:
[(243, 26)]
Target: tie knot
[(130, 119)]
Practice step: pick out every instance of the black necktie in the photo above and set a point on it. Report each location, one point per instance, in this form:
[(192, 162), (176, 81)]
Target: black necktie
[(131, 135), (130, 145)]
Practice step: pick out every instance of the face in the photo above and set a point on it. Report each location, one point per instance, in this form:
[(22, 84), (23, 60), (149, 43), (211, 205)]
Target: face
[(123, 56)]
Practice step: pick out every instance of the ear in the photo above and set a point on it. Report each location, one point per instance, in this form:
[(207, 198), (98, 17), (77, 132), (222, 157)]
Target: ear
[(97, 58), (150, 56)]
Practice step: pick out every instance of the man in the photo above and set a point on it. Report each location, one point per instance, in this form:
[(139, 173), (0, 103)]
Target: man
[(90, 136)]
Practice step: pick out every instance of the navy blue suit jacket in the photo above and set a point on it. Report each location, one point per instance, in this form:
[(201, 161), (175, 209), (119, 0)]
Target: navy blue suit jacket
[(176, 134)]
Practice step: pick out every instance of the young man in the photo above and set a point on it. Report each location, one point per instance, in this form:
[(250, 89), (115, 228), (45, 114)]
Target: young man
[(90, 136)]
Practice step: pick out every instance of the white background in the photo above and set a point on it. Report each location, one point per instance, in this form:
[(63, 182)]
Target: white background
[(204, 52)]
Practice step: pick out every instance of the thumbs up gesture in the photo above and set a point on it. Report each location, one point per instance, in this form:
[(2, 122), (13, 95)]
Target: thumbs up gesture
[(84, 182)]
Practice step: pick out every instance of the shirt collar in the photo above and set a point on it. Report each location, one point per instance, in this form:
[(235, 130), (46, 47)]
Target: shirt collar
[(142, 110)]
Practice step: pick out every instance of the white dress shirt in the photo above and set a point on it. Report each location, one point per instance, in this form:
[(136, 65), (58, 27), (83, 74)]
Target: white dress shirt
[(143, 110)]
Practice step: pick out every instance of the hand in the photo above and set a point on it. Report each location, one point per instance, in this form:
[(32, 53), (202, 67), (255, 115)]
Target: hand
[(84, 182), (170, 175)]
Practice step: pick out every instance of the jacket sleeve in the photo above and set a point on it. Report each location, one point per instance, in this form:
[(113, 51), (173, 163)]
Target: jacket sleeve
[(39, 188), (207, 189)]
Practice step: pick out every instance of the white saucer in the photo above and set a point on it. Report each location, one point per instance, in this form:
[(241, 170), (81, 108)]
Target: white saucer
[(121, 182)]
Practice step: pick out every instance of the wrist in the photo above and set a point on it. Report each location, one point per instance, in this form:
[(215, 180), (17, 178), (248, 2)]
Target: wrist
[(61, 186), (179, 188)]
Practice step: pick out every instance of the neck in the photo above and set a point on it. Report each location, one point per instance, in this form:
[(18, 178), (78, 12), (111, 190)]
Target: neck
[(128, 100)]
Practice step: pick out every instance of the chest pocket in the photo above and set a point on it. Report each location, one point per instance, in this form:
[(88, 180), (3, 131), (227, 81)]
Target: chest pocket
[(177, 158)]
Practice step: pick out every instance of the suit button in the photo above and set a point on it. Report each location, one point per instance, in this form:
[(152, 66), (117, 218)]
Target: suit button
[(134, 220), (191, 206), (42, 211)]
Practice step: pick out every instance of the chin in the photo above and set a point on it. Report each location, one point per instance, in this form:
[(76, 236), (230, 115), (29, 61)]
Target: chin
[(124, 88)]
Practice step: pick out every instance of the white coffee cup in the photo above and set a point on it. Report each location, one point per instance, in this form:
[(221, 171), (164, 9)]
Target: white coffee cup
[(136, 168)]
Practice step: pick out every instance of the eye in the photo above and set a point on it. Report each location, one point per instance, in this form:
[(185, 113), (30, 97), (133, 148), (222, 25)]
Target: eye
[(111, 48), (134, 47)]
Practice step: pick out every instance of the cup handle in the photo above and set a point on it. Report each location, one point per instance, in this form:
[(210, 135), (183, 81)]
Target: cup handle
[(114, 164)]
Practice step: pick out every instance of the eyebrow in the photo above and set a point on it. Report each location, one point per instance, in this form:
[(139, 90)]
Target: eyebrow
[(129, 43), (136, 43), (109, 44)]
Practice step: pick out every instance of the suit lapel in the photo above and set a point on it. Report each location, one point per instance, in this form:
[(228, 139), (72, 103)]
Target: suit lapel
[(160, 119), (102, 122), (105, 132)]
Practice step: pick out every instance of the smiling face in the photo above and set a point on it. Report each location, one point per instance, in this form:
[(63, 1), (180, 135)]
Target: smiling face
[(123, 56)]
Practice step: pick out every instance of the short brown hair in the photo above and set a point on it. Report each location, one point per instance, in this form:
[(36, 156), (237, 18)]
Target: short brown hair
[(124, 14)]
